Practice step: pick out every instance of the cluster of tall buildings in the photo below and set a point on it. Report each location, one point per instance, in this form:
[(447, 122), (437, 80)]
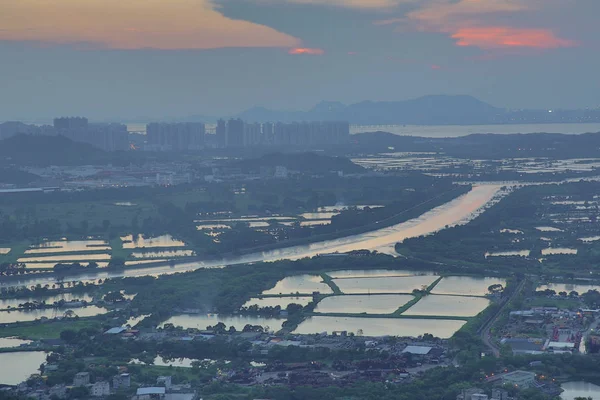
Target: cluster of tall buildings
[(106, 136), (175, 136), (237, 133), (185, 136)]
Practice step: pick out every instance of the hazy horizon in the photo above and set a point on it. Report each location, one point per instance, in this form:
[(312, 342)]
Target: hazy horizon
[(111, 60)]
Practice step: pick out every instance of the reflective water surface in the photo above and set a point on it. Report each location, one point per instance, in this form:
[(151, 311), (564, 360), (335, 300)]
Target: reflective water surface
[(380, 326), (304, 284), (9, 343), (375, 304), (7, 317), (573, 390), (14, 303), (466, 285), (568, 287), (17, 367), (558, 250), (460, 210), (404, 284), (448, 306), (63, 246)]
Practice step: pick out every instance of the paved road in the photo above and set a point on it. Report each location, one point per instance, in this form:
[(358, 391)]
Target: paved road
[(485, 332)]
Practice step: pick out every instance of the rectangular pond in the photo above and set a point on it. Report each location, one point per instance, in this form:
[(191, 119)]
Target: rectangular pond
[(141, 262), (202, 321), (11, 343), (359, 304), (66, 258), (9, 317), (163, 254), (18, 367), (404, 284), (569, 287), (403, 327), (557, 251), (466, 285), (448, 306), (315, 223), (302, 284), (50, 265), (14, 303), (513, 253), (548, 229), (64, 246)]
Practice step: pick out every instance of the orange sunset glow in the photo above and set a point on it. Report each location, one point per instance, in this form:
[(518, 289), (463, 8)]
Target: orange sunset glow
[(304, 50), (134, 24), (497, 37)]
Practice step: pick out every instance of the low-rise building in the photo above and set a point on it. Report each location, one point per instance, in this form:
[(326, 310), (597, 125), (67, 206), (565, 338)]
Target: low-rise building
[(467, 394), (150, 393), (164, 381), (122, 381), (81, 379), (59, 391), (521, 379), (100, 389)]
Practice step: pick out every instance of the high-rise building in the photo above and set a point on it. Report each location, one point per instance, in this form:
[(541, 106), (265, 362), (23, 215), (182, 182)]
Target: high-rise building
[(176, 136), (221, 133), (253, 135), (235, 133), (70, 124), (268, 133), (108, 137)]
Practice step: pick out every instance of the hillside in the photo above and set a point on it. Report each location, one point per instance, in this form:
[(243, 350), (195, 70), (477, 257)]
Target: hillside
[(303, 162), (431, 110), (485, 145), (47, 150)]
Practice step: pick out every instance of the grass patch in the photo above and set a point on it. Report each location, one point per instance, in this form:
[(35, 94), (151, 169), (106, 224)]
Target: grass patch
[(48, 330), (434, 284), (329, 281), (552, 302), (408, 305), (17, 249), (118, 251)]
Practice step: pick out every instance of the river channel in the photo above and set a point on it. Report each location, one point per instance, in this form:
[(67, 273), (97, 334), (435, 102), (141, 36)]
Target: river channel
[(457, 211)]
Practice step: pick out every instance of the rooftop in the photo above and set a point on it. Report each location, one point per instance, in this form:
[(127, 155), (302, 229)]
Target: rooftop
[(150, 391), (419, 350)]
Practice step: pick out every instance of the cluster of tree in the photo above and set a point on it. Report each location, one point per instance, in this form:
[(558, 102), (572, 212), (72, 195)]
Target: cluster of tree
[(12, 268), (62, 268)]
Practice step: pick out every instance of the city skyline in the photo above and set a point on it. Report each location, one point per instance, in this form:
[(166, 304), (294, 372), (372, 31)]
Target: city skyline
[(115, 60)]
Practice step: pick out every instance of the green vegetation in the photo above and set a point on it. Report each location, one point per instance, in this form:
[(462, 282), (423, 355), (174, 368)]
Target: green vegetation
[(47, 330), (526, 209), (329, 281)]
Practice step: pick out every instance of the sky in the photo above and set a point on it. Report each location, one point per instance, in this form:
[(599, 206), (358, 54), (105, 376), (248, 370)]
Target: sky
[(130, 59)]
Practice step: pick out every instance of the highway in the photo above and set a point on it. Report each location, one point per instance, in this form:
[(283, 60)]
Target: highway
[(485, 329)]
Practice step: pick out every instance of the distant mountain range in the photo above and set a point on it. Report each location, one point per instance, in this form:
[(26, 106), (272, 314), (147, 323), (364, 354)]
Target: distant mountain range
[(427, 110)]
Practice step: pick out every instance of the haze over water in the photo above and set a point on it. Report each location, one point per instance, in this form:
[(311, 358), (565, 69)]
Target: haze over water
[(442, 131)]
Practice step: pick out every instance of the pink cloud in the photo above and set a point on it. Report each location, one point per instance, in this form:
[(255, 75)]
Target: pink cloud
[(435, 67), (474, 23), (495, 37), (306, 50)]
